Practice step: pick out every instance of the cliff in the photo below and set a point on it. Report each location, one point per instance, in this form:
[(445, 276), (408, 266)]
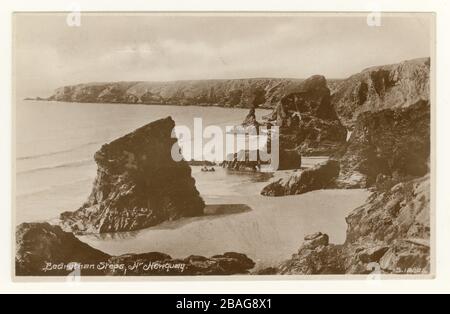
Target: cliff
[(243, 93), (382, 87), (138, 184), (392, 142), (37, 244), (236, 93)]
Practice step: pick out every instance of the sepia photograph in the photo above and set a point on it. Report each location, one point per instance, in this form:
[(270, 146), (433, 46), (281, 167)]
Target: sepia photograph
[(223, 144)]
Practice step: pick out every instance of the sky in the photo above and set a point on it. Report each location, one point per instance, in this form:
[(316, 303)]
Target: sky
[(48, 53)]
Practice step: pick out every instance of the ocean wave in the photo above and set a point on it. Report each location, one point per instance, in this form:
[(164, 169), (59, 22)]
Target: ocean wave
[(57, 152), (71, 164)]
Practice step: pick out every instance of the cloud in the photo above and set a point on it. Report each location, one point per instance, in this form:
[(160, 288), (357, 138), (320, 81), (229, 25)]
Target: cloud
[(176, 47)]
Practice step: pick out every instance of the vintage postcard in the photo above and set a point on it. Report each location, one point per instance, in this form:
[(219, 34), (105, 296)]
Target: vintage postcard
[(295, 145)]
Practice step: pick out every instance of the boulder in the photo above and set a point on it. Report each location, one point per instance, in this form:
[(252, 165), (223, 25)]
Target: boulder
[(319, 177), (138, 184), (315, 240)]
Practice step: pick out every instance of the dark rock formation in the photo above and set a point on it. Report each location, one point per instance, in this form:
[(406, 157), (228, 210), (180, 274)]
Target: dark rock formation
[(46, 250), (288, 158), (390, 233), (40, 243), (319, 177), (307, 120), (250, 120), (383, 87), (138, 184), (392, 142), (243, 161)]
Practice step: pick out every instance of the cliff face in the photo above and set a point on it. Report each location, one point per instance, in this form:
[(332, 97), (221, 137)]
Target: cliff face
[(382, 87), (393, 143), (243, 93), (41, 243), (138, 184), (396, 225), (238, 93)]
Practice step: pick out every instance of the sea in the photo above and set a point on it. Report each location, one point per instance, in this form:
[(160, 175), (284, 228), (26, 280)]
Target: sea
[(54, 147)]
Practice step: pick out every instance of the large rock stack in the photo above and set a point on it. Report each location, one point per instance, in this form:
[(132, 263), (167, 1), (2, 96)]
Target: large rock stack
[(138, 184)]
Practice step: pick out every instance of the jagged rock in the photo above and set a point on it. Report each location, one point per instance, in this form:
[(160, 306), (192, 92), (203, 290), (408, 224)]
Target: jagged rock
[(138, 184), (251, 120), (287, 159), (406, 258), (383, 87), (391, 142), (321, 176), (392, 230), (316, 256), (373, 254), (307, 120), (243, 161), (39, 244), (387, 222)]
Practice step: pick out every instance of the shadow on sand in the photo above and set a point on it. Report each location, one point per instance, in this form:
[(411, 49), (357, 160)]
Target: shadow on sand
[(211, 212)]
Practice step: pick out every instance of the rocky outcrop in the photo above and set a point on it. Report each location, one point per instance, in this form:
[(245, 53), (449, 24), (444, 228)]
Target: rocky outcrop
[(250, 120), (392, 229), (319, 177), (40, 243), (315, 257), (138, 184), (390, 234), (46, 250), (383, 87), (307, 120), (392, 142)]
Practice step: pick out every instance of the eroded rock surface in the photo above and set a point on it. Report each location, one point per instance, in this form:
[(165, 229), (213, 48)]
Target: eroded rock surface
[(382, 87), (307, 120), (392, 142), (138, 184)]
